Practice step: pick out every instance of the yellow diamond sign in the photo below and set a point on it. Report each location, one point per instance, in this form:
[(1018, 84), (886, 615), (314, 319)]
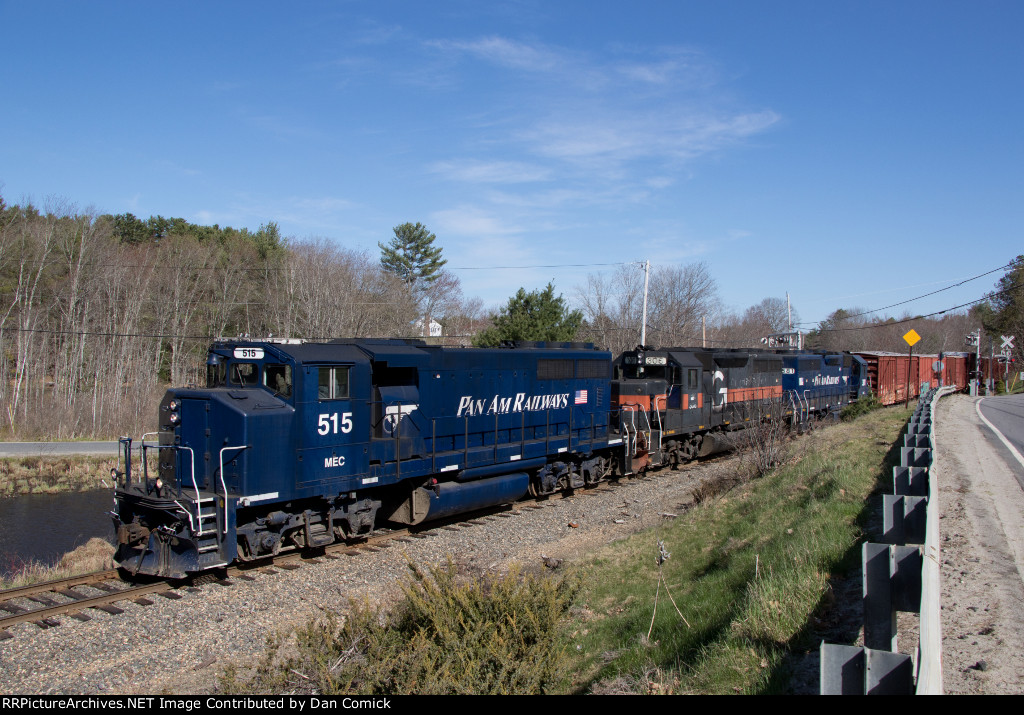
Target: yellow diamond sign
[(912, 337)]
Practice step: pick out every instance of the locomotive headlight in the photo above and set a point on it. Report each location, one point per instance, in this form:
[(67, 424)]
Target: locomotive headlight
[(172, 407)]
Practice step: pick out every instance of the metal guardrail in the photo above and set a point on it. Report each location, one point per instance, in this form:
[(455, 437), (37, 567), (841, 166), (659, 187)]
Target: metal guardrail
[(900, 574)]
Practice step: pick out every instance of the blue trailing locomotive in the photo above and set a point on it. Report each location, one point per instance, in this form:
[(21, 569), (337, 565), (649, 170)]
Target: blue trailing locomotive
[(294, 444)]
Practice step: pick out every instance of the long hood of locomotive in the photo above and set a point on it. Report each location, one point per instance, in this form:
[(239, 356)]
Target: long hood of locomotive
[(246, 431)]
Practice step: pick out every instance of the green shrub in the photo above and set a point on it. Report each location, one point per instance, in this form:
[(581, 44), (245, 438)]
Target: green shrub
[(495, 635), (860, 407)]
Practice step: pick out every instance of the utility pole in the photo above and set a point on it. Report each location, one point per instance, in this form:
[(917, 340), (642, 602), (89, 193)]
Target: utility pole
[(974, 340), (643, 324), (990, 388)]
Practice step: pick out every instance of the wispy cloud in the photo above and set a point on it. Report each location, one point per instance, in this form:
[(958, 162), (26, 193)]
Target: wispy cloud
[(507, 53), (491, 172), (617, 137), (637, 115), (472, 221)]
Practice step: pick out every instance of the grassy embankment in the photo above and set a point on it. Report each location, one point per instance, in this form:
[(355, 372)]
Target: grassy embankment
[(94, 555), (51, 475), (748, 571), (711, 602)]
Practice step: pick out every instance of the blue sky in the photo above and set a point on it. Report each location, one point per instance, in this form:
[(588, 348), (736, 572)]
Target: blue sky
[(850, 153)]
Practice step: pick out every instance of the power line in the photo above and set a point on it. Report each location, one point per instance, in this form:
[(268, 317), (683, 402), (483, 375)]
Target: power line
[(171, 336), (911, 300), (871, 326), (69, 263), (551, 265)]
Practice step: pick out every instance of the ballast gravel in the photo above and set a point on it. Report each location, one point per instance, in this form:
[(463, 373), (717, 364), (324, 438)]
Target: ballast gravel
[(179, 647)]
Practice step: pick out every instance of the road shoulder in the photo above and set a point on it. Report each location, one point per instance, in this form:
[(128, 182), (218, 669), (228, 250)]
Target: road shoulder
[(982, 530)]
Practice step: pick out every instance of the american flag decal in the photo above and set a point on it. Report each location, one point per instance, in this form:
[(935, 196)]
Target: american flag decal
[(581, 397)]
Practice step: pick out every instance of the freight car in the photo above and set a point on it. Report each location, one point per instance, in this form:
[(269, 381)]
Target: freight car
[(897, 377), (294, 444)]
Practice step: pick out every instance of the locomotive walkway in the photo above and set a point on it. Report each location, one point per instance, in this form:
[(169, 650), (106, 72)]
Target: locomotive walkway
[(982, 528)]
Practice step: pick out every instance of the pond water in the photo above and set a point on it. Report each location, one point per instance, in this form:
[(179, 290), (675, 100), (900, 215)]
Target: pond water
[(43, 527)]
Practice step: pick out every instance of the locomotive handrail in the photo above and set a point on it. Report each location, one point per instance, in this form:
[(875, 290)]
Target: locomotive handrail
[(191, 526), (223, 484), (195, 485), (631, 428), (127, 442), (661, 426), (398, 442), (650, 428), (145, 462)]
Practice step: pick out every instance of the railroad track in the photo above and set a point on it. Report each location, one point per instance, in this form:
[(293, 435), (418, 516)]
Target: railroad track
[(74, 597)]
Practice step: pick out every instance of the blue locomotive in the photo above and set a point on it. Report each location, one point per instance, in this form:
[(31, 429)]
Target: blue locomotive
[(819, 383), (295, 444)]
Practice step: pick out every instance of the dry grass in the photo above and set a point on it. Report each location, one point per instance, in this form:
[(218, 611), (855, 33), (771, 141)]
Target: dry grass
[(94, 555)]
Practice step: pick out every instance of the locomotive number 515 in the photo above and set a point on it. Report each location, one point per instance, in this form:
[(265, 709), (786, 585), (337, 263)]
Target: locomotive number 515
[(329, 424)]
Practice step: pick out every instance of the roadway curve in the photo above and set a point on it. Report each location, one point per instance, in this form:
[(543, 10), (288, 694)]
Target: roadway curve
[(1005, 416)]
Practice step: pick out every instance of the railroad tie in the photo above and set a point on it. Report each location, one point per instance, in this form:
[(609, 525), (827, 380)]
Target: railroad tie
[(112, 610)]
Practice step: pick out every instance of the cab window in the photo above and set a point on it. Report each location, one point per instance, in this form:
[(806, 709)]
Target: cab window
[(691, 378), (278, 379), (332, 383), (244, 373)]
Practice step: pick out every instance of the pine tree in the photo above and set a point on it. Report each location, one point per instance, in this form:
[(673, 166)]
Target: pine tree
[(411, 255), (537, 315)]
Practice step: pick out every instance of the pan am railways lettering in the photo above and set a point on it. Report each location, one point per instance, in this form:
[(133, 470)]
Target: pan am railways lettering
[(504, 405)]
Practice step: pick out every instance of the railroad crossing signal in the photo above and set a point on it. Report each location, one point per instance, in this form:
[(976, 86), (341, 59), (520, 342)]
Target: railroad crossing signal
[(1007, 343), (912, 337)]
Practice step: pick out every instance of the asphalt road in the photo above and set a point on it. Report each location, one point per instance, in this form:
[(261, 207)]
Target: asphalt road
[(58, 449), (1006, 412)]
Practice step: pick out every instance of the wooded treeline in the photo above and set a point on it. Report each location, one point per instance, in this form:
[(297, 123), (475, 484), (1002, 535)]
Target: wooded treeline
[(99, 313)]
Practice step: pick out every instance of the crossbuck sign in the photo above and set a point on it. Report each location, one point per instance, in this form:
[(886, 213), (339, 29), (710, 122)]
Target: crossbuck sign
[(1007, 345)]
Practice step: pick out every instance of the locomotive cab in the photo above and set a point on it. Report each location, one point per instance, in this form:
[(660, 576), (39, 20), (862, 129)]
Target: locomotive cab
[(215, 450)]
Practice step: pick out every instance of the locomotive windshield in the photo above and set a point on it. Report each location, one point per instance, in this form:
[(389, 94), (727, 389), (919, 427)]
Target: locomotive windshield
[(243, 373)]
